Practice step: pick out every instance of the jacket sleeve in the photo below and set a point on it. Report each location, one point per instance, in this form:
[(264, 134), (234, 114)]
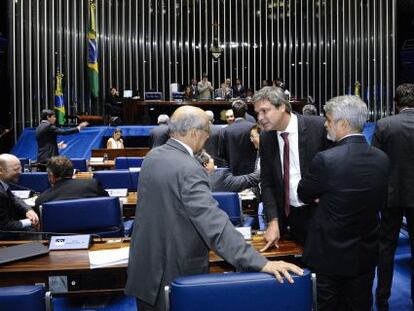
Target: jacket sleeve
[(313, 184), (6, 222), (214, 226), (59, 131), (378, 139), (239, 183)]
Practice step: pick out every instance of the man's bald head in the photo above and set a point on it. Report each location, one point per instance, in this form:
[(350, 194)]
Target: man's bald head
[(185, 125), (10, 168)]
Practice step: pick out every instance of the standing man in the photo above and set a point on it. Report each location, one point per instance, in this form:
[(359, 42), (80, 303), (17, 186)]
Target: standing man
[(15, 215), (178, 221), (395, 136), (349, 181), (287, 146), (46, 134), (204, 88), (160, 134)]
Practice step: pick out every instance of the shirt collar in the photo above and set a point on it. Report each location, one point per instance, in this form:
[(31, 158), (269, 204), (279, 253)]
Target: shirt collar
[(292, 127), (188, 148), (349, 135)]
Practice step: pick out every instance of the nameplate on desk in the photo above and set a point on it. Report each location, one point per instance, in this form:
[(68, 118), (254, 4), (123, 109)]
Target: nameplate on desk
[(246, 232), (65, 242), (117, 192), (22, 194), (96, 160)]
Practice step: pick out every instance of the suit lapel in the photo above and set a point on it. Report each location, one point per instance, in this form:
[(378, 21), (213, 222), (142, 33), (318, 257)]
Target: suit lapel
[(278, 165), (302, 143)]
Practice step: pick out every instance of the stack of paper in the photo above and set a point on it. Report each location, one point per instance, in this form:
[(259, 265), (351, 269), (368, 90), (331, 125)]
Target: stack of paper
[(108, 257)]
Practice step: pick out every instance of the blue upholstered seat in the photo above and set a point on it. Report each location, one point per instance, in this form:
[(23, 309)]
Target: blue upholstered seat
[(230, 203), (177, 95), (36, 181), (153, 95), (26, 297), (240, 291), (80, 164), (118, 179), (127, 162), (101, 216)]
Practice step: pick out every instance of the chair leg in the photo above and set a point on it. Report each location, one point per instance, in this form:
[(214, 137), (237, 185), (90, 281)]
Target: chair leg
[(167, 298), (48, 301), (314, 292)]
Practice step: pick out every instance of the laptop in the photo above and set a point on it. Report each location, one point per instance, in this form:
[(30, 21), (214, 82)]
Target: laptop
[(22, 251)]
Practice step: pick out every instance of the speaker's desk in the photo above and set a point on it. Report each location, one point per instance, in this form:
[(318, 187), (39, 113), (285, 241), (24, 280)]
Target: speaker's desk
[(74, 269)]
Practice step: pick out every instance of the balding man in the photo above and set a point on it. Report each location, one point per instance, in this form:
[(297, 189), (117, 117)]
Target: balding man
[(178, 221), (15, 215)]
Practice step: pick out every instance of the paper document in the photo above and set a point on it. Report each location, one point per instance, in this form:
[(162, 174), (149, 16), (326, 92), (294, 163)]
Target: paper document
[(108, 257), (96, 159)]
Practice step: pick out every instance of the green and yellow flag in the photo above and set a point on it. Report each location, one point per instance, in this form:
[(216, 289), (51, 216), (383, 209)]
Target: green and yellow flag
[(93, 53), (59, 101)]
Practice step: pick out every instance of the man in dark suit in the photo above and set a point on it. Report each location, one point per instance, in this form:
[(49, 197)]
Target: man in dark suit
[(160, 134), (46, 134), (238, 89), (223, 180), (349, 181), (64, 187), (213, 142), (236, 147), (302, 137), (15, 215), (395, 136), (178, 221)]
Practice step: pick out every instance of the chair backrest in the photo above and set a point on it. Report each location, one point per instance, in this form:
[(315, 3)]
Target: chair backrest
[(230, 203), (37, 181), (177, 95), (240, 291), (118, 179), (80, 164), (152, 95), (26, 297), (127, 162), (101, 216)]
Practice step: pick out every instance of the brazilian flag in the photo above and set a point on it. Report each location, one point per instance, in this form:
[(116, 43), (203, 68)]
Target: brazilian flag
[(93, 53), (59, 102)]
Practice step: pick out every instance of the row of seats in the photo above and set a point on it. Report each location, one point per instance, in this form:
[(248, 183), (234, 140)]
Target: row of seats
[(220, 292)]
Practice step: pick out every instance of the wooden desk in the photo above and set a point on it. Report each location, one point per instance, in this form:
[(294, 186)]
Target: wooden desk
[(126, 152), (74, 265)]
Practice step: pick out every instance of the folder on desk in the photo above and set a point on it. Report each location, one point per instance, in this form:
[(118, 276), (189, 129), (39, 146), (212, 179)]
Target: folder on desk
[(22, 251)]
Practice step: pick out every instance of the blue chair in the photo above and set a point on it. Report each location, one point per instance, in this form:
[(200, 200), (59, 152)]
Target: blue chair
[(80, 164), (24, 297), (240, 291), (230, 203), (152, 95), (177, 95), (127, 162), (36, 181), (118, 179), (101, 216)]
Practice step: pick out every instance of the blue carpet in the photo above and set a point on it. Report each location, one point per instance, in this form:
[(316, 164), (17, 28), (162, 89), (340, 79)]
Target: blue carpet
[(99, 303), (400, 292)]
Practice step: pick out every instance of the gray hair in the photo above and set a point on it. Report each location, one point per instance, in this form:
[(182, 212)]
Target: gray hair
[(350, 108), (163, 119), (274, 95), (186, 121), (210, 115), (309, 109)]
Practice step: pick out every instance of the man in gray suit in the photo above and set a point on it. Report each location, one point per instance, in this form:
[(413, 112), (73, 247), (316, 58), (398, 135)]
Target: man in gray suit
[(178, 221)]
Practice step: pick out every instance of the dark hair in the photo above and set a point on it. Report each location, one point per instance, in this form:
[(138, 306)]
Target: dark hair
[(205, 75), (117, 130), (60, 167), (404, 95), (257, 128), (46, 113), (239, 108)]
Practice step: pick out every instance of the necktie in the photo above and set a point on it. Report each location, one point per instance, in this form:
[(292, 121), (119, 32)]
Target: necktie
[(286, 172)]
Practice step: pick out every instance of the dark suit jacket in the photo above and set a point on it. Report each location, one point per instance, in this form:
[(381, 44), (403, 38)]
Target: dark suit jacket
[(212, 145), (67, 189), (395, 136), (237, 148), (46, 134), (159, 135), (12, 209), (223, 180), (176, 223), (350, 181), (312, 139), (239, 92)]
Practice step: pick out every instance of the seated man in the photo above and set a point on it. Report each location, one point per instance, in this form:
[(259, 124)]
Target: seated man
[(64, 187), (224, 180), (15, 215)]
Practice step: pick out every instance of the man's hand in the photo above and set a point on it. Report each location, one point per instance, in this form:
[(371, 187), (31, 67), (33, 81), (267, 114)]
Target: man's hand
[(82, 125), (62, 145), (280, 269), (272, 234), (34, 219)]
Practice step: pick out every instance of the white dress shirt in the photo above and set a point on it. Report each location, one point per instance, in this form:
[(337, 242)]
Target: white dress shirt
[(294, 164)]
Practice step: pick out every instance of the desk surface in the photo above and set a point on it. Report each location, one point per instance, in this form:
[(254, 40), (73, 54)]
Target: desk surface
[(74, 264)]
